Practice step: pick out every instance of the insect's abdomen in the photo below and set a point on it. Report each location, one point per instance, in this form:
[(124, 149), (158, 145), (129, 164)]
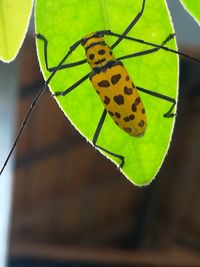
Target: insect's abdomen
[(120, 98)]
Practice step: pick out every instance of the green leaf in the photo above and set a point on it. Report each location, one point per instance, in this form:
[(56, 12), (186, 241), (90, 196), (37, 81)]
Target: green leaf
[(65, 22), (193, 8), (14, 19)]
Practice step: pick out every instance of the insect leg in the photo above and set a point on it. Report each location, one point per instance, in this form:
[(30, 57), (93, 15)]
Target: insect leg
[(148, 51), (63, 66), (169, 113), (165, 48), (73, 86), (96, 135), (130, 26)]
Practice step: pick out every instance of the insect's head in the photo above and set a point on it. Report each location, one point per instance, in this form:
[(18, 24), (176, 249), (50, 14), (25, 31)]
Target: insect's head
[(97, 50), (94, 35)]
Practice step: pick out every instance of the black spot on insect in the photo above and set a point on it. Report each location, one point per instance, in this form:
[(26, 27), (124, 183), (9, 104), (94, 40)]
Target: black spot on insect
[(134, 108), (101, 52), (110, 53), (137, 101), (127, 129), (128, 91), (142, 110), (119, 99), (91, 56), (97, 92), (115, 78), (104, 83), (100, 61), (127, 78), (106, 100), (117, 115), (126, 119), (141, 123), (111, 113), (131, 117)]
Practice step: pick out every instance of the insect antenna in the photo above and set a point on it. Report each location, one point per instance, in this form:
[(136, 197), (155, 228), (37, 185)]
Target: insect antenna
[(24, 123), (154, 45), (35, 101)]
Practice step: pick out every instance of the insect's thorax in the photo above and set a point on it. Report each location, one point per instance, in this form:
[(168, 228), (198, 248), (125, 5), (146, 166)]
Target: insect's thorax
[(98, 52)]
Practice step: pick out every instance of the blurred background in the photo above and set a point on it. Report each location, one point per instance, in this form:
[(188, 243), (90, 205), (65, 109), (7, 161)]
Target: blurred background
[(69, 206)]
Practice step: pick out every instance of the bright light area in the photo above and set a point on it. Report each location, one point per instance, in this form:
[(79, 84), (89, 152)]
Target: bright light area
[(8, 91)]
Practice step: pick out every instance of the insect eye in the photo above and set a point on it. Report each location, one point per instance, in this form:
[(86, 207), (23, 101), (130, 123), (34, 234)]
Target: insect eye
[(101, 52), (83, 40), (91, 56), (98, 34)]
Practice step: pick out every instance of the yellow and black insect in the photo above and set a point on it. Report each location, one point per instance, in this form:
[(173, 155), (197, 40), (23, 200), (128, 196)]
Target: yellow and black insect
[(114, 86), (111, 81)]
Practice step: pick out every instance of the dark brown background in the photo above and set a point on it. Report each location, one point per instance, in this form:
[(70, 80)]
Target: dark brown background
[(71, 204)]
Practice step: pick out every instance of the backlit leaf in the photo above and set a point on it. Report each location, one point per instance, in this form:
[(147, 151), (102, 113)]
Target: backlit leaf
[(14, 19), (65, 22)]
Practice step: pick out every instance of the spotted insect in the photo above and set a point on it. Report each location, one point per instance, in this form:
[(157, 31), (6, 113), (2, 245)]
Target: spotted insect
[(114, 85), (115, 88), (111, 81)]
